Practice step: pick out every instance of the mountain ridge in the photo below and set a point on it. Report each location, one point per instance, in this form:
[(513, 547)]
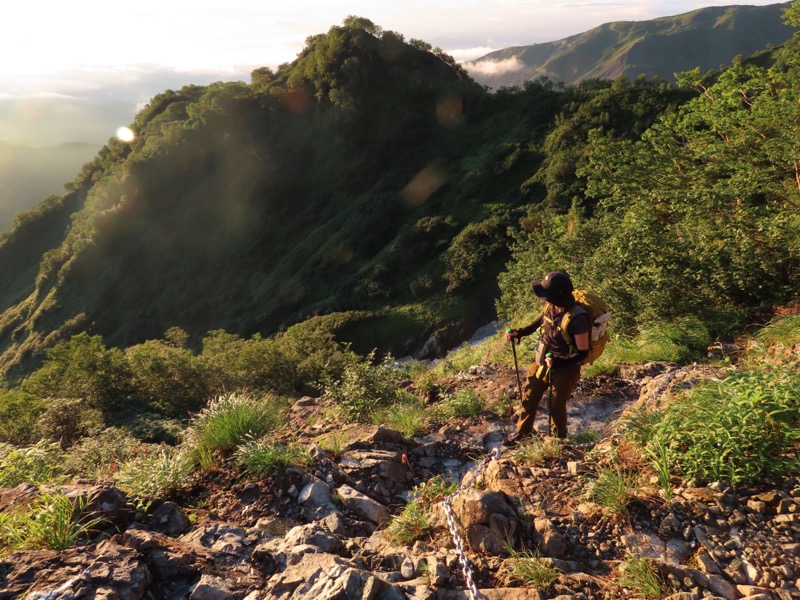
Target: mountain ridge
[(709, 38)]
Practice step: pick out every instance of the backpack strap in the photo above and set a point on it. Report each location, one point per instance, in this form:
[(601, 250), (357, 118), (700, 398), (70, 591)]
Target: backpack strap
[(563, 323), (577, 309)]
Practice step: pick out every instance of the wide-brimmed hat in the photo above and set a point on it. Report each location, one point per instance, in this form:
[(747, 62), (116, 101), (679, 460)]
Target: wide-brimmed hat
[(556, 287)]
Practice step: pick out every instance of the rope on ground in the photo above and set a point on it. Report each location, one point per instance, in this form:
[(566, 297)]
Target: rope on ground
[(474, 594)]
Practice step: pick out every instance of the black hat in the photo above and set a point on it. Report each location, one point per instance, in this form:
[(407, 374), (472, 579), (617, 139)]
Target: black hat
[(556, 287)]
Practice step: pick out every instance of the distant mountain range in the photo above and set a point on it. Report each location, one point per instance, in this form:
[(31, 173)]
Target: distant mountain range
[(28, 174), (709, 38)]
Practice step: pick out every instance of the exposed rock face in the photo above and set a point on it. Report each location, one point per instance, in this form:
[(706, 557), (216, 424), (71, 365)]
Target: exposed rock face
[(320, 532)]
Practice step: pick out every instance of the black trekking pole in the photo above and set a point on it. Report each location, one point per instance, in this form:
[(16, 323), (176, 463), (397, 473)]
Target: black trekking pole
[(550, 398), (516, 366)]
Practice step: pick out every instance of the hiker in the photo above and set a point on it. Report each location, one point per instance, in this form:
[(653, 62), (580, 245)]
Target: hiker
[(558, 362)]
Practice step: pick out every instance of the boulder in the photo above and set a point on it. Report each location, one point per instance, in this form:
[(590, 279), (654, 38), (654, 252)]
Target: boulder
[(169, 520), (107, 570), (362, 505), (488, 519), (326, 577)]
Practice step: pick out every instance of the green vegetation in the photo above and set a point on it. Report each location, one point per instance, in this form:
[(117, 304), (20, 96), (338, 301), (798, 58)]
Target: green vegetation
[(640, 578), (408, 416), (262, 457), (53, 521), (741, 429), (264, 240), (229, 421), (462, 404), (364, 390), (36, 464), (614, 488), (530, 570), (535, 451), (413, 522), (155, 471)]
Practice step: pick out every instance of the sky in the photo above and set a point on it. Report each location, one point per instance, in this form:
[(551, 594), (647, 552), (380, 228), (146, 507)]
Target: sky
[(76, 71)]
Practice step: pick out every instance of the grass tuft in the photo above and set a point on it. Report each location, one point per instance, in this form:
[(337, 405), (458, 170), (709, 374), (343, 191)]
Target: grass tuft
[(156, 471), (53, 521), (408, 417), (640, 578), (463, 404), (35, 464), (536, 451), (413, 523), (614, 488), (530, 570), (230, 420), (262, 457)]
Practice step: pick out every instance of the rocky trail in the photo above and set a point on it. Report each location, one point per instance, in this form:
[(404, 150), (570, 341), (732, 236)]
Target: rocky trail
[(322, 531)]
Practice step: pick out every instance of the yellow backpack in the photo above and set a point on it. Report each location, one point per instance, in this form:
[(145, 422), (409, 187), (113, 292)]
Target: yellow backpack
[(597, 310)]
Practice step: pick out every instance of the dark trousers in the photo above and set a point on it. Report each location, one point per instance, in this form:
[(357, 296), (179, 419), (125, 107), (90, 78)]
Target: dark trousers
[(564, 381)]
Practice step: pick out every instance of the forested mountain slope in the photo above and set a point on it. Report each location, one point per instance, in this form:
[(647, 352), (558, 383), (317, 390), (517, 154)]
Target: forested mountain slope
[(373, 186), (709, 38), (371, 175)]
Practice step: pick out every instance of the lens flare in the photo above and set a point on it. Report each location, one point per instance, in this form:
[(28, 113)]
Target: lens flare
[(125, 134)]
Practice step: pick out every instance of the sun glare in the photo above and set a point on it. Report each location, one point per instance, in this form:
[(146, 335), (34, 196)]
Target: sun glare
[(125, 134)]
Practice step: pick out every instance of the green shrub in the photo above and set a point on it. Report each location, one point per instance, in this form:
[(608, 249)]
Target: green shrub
[(101, 456), (407, 416), (474, 251), (311, 349), (256, 363), (170, 379), (263, 457), (18, 415), (53, 521), (742, 429), (37, 464), (149, 427), (155, 472), (230, 420), (82, 368), (364, 388), (67, 420), (464, 403)]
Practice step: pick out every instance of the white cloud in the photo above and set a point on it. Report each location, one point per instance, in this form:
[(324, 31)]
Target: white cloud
[(492, 68)]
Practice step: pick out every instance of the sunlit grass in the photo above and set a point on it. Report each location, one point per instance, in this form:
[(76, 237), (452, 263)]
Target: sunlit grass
[(53, 521), (230, 420), (263, 457), (640, 578), (530, 570)]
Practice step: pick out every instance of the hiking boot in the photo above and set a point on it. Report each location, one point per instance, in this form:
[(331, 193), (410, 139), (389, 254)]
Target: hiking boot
[(512, 440)]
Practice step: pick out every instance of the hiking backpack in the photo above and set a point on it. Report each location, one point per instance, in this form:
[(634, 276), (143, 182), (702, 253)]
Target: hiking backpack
[(597, 310)]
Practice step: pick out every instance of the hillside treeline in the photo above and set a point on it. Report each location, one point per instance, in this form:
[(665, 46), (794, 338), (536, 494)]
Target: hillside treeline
[(371, 185), (697, 217)]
